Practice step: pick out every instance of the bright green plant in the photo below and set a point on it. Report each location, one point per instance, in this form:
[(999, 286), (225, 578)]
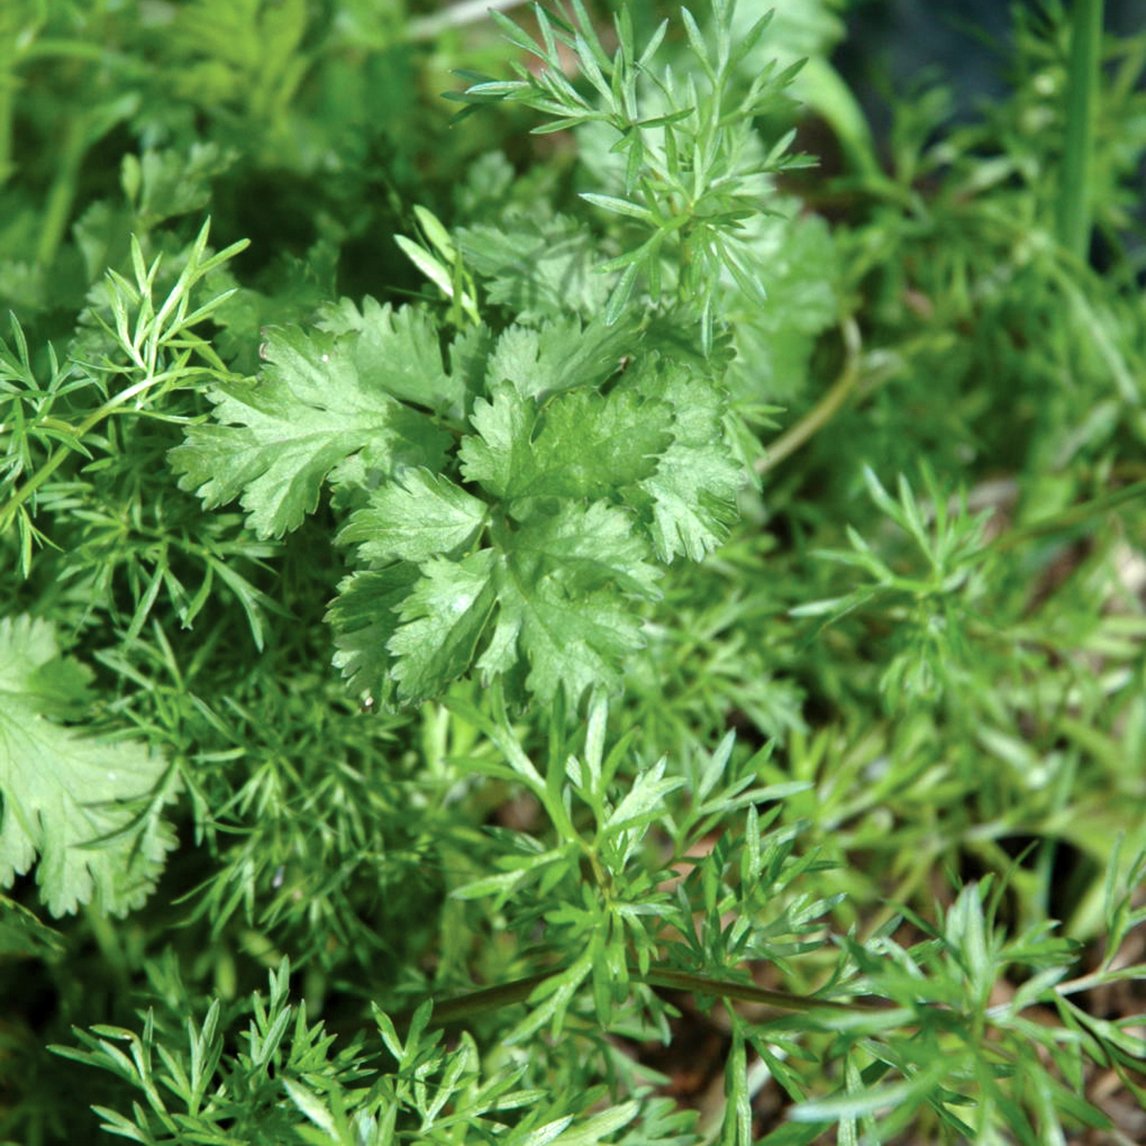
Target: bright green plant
[(550, 599)]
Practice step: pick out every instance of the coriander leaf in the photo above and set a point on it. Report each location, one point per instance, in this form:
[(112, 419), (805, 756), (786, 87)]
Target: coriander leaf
[(398, 351), (795, 260), (364, 617), (442, 622), (165, 184), (539, 268), (311, 412), (586, 548), (558, 602), (561, 355), (572, 643), (469, 357), (88, 807), (555, 582), (417, 516), (588, 446), (500, 453), (691, 497)]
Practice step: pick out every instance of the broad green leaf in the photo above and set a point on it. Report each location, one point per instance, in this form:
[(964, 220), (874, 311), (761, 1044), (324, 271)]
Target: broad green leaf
[(420, 515), (500, 451), (794, 261), (88, 807), (364, 617), (560, 584), (571, 642), (586, 548), (582, 445), (279, 439), (691, 496), (540, 269), (442, 621), (399, 352), (560, 355), (590, 444)]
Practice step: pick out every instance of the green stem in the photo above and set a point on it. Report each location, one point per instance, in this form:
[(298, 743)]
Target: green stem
[(517, 991), (7, 110), (58, 209), (824, 410), (1077, 515), (1073, 217), (750, 993)]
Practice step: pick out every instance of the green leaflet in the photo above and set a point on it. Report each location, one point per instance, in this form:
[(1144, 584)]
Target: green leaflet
[(312, 409), (796, 261), (399, 351), (557, 587), (443, 619), (419, 515), (580, 444), (561, 355), (538, 267), (88, 808), (558, 601), (591, 445), (364, 616), (572, 645), (691, 495), (500, 458), (585, 548)]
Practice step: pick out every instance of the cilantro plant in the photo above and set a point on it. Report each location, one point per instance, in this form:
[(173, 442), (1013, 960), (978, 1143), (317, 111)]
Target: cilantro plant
[(604, 607)]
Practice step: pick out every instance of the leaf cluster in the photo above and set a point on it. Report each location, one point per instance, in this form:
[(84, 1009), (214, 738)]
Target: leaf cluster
[(693, 167), (580, 474)]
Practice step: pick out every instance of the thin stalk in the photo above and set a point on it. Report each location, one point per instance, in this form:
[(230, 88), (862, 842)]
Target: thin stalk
[(518, 990), (824, 410), (750, 993), (1078, 515), (61, 197), (7, 110), (457, 16), (1073, 217)]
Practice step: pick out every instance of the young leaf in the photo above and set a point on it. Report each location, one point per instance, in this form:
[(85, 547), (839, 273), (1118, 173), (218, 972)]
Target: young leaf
[(588, 445), (592, 444), (586, 548), (416, 517), (500, 454), (572, 643), (313, 408), (364, 617), (539, 269), (399, 351), (561, 355), (89, 807), (442, 621), (691, 495)]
